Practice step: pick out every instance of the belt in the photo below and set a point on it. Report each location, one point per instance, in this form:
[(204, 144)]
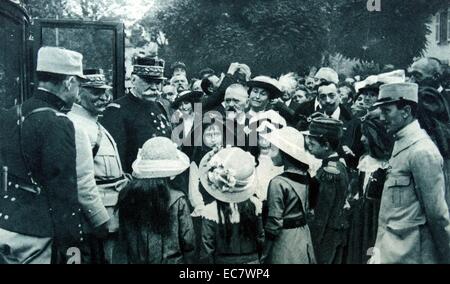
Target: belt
[(112, 182), (294, 223), (17, 183)]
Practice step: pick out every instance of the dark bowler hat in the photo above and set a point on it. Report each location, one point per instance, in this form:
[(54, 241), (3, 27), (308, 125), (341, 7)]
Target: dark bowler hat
[(187, 96), (149, 67), (95, 79), (325, 127)]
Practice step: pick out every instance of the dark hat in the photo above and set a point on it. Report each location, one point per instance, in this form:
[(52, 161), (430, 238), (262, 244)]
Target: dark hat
[(189, 96), (267, 83), (373, 88), (325, 127), (95, 79), (206, 71), (178, 64), (149, 67), (380, 142)]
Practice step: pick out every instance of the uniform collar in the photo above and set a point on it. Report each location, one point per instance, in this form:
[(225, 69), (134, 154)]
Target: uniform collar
[(81, 111), (52, 99), (407, 136)]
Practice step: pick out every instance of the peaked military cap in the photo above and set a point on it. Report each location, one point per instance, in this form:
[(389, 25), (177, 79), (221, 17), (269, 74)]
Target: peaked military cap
[(94, 78), (325, 127), (390, 93), (148, 67)]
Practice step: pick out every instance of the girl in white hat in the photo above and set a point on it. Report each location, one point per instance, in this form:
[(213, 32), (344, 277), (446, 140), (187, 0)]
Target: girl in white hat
[(232, 231), (155, 225), (288, 238)]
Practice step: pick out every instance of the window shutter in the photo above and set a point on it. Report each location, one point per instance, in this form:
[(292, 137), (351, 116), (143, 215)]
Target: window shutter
[(438, 27)]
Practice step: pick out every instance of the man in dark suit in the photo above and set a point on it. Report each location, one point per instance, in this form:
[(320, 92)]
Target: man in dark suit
[(324, 76), (39, 209)]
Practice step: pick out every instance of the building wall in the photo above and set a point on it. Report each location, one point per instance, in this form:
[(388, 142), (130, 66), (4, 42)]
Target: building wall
[(440, 50)]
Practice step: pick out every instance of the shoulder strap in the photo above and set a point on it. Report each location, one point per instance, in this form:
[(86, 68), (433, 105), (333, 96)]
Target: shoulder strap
[(21, 120), (98, 141)]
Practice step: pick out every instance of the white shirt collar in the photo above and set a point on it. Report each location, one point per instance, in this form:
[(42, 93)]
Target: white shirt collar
[(337, 113)]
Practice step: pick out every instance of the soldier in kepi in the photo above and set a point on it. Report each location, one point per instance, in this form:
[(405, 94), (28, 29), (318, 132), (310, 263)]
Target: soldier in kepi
[(138, 116), (100, 175), (413, 224), (39, 210)]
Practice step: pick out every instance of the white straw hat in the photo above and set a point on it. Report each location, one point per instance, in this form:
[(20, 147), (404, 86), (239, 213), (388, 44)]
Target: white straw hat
[(158, 158)]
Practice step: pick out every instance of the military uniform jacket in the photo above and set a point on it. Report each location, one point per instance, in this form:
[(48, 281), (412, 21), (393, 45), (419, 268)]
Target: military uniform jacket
[(328, 228), (413, 225), (132, 122), (51, 208)]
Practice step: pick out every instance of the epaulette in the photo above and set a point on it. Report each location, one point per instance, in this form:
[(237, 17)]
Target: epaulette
[(114, 105)]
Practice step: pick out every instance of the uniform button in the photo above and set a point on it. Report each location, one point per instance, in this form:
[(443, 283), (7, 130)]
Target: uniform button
[(81, 239), (154, 121), (5, 197), (6, 217), (16, 186), (50, 209), (13, 199), (1, 214), (158, 128), (163, 126), (163, 132), (9, 183), (81, 232), (152, 114), (90, 211), (73, 214), (79, 209), (79, 225)]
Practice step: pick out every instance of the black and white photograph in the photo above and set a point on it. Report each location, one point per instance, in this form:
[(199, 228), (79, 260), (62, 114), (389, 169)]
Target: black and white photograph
[(224, 132)]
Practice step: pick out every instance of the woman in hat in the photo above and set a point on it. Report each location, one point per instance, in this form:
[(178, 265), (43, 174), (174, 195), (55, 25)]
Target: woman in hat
[(232, 231), (154, 220), (262, 89), (367, 190), (288, 239)]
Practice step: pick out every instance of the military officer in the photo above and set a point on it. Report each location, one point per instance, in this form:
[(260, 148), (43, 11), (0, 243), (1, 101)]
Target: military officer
[(100, 176), (138, 116), (39, 209), (413, 224)]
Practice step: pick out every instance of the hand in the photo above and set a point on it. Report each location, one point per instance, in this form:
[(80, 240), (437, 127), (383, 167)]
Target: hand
[(233, 68), (348, 151)]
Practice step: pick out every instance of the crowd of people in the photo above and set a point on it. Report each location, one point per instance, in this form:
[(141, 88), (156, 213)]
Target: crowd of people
[(227, 168)]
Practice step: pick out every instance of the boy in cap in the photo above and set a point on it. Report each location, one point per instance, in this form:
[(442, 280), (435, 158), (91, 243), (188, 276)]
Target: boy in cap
[(328, 229), (413, 225), (40, 215)]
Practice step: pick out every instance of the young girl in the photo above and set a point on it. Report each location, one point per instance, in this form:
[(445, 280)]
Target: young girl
[(154, 220), (288, 239), (232, 231)]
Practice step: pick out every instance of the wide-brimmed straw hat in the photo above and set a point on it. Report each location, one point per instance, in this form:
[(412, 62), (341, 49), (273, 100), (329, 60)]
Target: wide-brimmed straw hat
[(229, 174), (267, 83), (159, 158), (292, 142)]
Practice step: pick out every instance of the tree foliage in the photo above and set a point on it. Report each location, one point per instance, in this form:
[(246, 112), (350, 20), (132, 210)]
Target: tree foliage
[(394, 35), (290, 35), (270, 36)]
